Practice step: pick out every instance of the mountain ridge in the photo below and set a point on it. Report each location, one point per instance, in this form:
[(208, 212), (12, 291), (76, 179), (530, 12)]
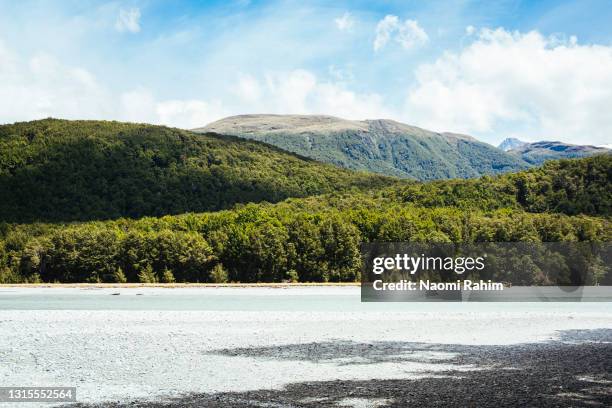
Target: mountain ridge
[(379, 145), (537, 153)]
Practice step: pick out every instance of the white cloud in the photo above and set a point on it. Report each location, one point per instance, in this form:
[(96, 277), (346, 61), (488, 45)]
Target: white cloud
[(518, 84), (501, 84), (300, 91), (408, 34), (41, 86), (138, 105), (247, 88), (384, 29), (297, 91), (469, 30), (189, 114), (345, 23), (128, 20), (290, 90), (411, 35)]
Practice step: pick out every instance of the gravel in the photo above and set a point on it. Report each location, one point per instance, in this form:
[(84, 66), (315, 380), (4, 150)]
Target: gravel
[(540, 355)]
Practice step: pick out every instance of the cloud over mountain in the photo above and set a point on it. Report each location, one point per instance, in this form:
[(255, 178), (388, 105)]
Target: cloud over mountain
[(406, 63), (544, 87)]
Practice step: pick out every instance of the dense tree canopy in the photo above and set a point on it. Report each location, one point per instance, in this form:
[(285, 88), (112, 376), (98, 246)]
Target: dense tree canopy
[(315, 238), (58, 170), (54, 172), (581, 186)]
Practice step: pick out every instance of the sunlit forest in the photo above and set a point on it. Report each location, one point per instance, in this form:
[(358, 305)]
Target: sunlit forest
[(112, 202)]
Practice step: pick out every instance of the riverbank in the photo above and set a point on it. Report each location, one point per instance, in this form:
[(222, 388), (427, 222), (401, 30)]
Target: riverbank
[(179, 285)]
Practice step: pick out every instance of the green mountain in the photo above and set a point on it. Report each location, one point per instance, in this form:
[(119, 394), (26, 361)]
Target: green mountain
[(381, 146), (539, 152), (317, 238), (59, 170)]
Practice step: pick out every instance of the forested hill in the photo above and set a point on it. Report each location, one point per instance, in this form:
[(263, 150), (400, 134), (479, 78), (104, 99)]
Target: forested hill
[(569, 186), (317, 238), (382, 146), (59, 170)]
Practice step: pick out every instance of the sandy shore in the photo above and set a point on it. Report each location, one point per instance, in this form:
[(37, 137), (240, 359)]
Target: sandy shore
[(542, 355)]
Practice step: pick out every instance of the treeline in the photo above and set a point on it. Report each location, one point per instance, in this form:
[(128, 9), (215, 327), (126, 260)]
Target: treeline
[(58, 171), (315, 239)]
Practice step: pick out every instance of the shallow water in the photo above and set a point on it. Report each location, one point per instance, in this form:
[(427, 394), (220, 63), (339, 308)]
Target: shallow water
[(335, 299)]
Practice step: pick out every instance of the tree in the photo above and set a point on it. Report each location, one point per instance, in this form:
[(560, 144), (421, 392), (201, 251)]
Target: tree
[(146, 275), (168, 276), (120, 276), (218, 274)]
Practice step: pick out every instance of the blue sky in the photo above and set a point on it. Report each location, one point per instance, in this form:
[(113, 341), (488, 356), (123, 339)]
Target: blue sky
[(533, 70)]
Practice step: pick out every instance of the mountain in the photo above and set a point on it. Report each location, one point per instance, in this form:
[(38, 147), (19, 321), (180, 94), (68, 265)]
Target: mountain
[(510, 143), (381, 146), (539, 152), (59, 170)]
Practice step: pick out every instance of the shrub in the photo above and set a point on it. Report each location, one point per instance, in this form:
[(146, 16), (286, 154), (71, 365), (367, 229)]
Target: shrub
[(293, 276), (218, 274), (168, 276), (120, 276), (147, 275)]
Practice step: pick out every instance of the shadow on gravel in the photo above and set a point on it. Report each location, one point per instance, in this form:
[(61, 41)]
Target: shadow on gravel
[(573, 371)]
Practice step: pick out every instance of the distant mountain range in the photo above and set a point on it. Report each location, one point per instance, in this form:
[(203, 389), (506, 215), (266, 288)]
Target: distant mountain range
[(510, 144), (393, 148), (538, 152), (381, 146)]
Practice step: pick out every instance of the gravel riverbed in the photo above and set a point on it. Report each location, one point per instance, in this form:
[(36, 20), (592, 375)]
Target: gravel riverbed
[(433, 355)]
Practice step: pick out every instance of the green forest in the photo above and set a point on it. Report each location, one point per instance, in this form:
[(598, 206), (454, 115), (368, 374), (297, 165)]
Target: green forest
[(258, 214), (59, 170)]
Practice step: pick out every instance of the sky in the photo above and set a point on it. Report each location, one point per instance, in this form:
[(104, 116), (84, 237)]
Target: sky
[(491, 69)]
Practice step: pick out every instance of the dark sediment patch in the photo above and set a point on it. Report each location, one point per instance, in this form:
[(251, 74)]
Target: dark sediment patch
[(573, 371)]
